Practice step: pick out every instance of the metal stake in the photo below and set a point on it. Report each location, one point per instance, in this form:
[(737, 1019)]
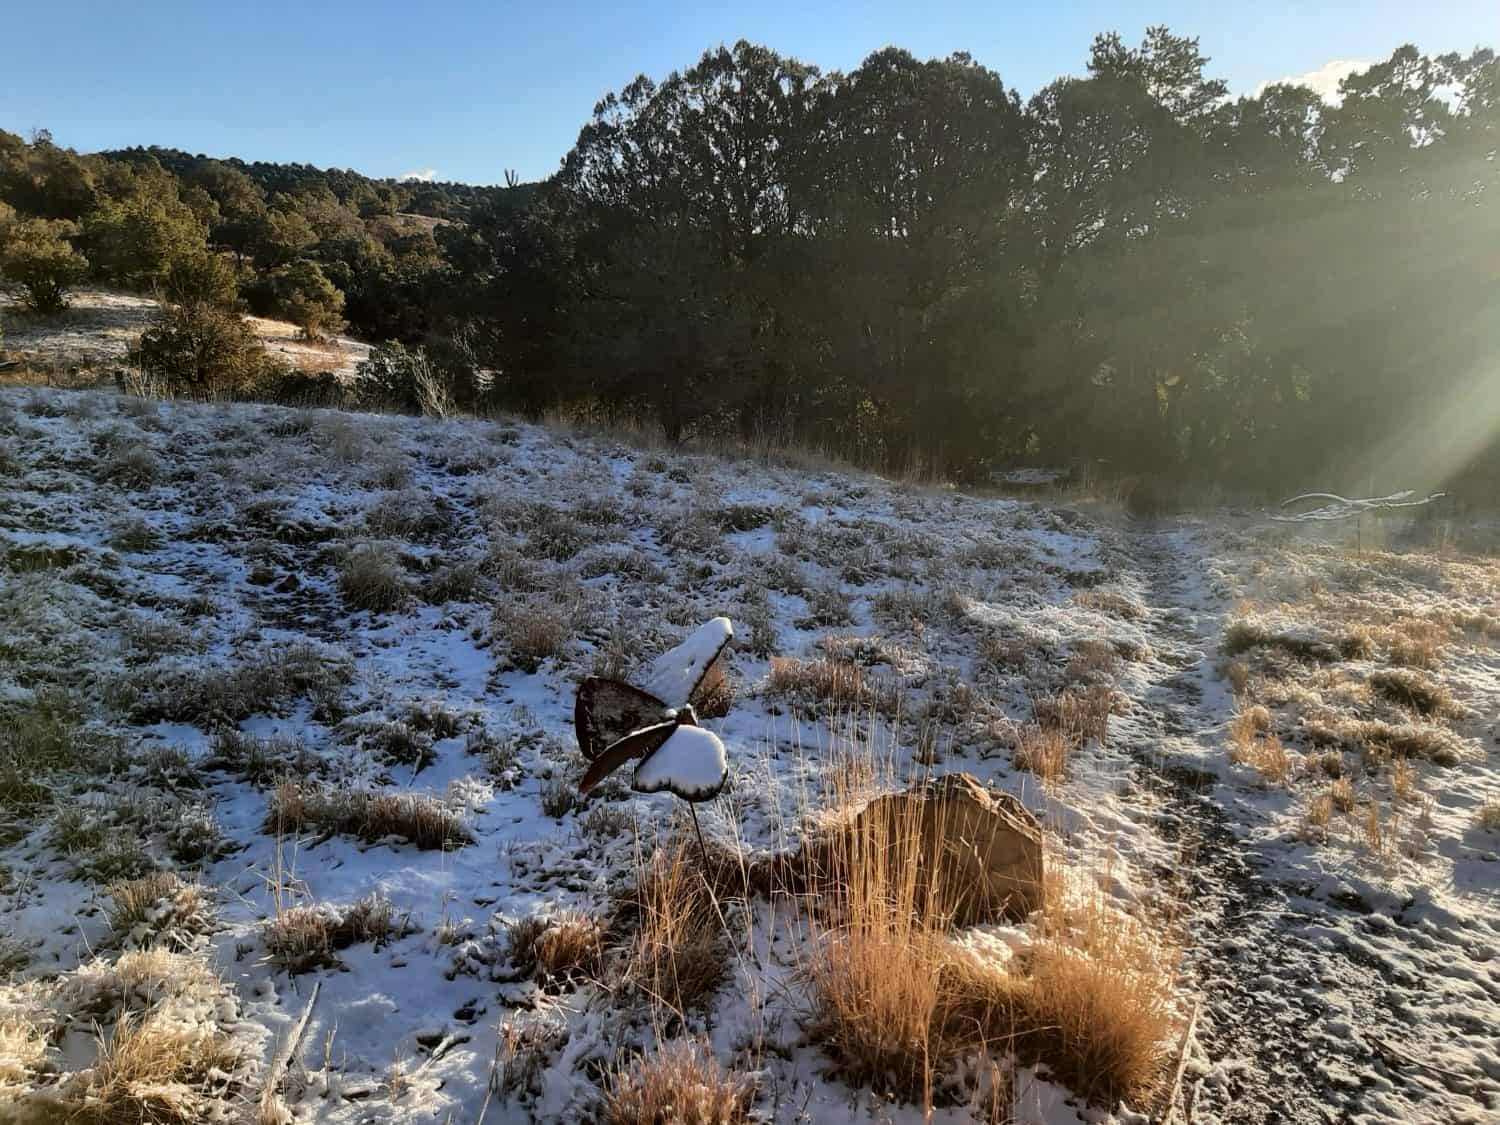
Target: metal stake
[(692, 808)]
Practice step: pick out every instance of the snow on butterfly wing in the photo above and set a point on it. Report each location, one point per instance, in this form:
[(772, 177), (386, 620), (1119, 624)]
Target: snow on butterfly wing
[(675, 674), (607, 710), (639, 744), (691, 763)]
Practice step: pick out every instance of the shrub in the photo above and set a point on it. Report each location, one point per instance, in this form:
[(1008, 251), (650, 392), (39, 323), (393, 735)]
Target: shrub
[(1487, 817), (37, 257), (201, 278), (200, 351)]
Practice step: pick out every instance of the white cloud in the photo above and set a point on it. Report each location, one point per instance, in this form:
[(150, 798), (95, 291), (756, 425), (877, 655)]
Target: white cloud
[(1324, 81), (421, 176)]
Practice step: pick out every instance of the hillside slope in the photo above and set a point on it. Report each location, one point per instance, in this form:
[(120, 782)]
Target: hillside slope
[(221, 612)]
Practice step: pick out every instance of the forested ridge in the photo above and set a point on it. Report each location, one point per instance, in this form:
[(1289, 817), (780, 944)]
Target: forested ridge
[(1129, 270)]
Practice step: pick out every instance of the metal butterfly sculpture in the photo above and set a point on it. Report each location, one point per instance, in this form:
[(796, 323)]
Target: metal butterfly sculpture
[(654, 725)]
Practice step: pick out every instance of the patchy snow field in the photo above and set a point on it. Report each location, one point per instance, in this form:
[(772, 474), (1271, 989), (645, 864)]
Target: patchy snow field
[(100, 325), (325, 663)]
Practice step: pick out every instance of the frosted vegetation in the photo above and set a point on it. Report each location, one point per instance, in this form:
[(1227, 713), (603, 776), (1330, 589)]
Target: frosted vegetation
[(288, 704)]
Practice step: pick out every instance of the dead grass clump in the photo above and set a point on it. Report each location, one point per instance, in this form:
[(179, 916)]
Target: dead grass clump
[(571, 948), (533, 633), (1414, 692), (1487, 816), (714, 695), (1093, 662), (371, 577), (160, 909), (1237, 674), (408, 513), (842, 684), (1109, 601), (676, 955), (1043, 751), (1247, 633), (368, 814), (1415, 642), (1079, 715), (1381, 741), (156, 1069), (682, 1083), (1267, 756), (1248, 724), (132, 466), (308, 937)]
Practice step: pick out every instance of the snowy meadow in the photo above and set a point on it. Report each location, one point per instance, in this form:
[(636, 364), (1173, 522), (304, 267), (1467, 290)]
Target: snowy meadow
[(291, 830)]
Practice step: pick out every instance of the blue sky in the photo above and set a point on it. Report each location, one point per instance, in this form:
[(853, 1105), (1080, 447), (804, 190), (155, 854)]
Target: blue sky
[(470, 89)]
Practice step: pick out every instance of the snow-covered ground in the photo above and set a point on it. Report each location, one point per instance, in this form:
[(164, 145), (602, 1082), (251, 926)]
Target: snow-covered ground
[(99, 326), (175, 571)]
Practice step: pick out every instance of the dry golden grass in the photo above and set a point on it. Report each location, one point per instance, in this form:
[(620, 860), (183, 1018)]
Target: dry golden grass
[(571, 947), (533, 633), (371, 577), (844, 685), (1108, 601), (160, 907), (1341, 795), (152, 1069), (1043, 751), (23, 1047), (1487, 816), (896, 1004), (1093, 662), (1403, 779), (308, 937), (682, 1083), (1413, 691), (1237, 674), (677, 954), (1382, 741), (1079, 715), (1267, 756), (369, 814)]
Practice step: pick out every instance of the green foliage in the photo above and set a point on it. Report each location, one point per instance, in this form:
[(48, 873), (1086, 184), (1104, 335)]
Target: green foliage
[(134, 242), (300, 293), (39, 260), (200, 351), (201, 278)]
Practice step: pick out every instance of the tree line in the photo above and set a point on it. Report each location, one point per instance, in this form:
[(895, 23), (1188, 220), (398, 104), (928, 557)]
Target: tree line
[(907, 262)]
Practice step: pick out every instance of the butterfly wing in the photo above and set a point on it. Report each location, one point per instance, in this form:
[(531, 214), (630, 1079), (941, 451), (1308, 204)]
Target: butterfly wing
[(607, 710), (639, 744), (690, 762), (674, 675)]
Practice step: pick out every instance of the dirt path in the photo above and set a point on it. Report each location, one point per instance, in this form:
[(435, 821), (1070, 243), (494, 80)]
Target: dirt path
[(1314, 1010)]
